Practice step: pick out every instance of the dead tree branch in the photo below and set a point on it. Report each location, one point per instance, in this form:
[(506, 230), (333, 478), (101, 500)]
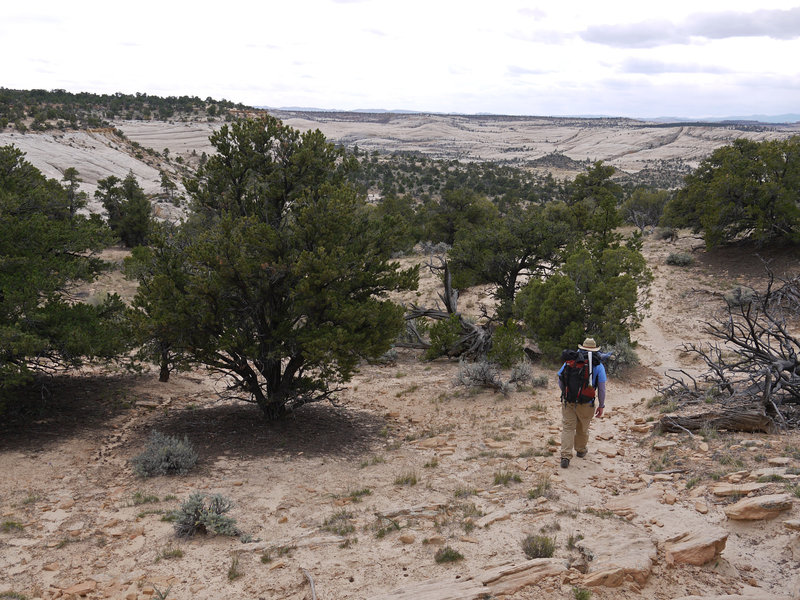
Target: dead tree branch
[(755, 360)]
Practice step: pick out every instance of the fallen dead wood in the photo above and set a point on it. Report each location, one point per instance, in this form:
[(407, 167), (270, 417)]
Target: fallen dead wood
[(751, 420)]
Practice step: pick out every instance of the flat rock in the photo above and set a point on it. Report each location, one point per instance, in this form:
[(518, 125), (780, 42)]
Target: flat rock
[(737, 489), (768, 472), (81, 589), (794, 524), (508, 579), (779, 461), (756, 596), (614, 557), (493, 517), (664, 444), (641, 428), (607, 450), (695, 547), (441, 589), (760, 507)]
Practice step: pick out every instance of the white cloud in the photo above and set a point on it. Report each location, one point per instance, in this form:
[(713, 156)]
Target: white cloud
[(776, 24)]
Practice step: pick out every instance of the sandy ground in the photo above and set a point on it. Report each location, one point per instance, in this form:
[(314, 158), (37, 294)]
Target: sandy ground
[(70, 511)]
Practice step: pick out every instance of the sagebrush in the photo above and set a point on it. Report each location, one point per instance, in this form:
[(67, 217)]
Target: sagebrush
[(165, 455), (205, 514)]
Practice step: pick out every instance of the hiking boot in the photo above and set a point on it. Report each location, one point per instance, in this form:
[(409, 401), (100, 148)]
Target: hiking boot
[(564, 463), (581, 453)]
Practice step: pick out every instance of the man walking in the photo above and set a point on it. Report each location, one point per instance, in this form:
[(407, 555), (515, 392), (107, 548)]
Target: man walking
[(580, 377)]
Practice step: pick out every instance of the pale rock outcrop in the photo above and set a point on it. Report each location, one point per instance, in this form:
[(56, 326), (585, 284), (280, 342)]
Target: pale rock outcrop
[(737, 489), (760, 507), (695, 547), (508, 579), (617, 557), (757, 596)]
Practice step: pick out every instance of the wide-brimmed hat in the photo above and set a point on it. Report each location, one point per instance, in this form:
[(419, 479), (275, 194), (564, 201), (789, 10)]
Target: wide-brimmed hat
[(589, 344)]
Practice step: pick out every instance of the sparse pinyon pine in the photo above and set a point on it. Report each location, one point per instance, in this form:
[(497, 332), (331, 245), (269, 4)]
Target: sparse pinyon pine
[(250, 287)]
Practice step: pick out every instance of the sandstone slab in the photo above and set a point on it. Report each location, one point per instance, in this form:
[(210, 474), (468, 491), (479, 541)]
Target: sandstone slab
[(509, 579), (81, 589), (443, 589), (695, 547), (737, 489), (760, 507), (793, 524), (618, 556)]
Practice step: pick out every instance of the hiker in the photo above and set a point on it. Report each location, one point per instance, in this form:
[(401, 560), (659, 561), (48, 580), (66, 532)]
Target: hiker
[(580, 376)]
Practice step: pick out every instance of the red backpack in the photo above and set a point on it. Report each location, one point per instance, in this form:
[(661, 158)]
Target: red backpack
[(575, 378)]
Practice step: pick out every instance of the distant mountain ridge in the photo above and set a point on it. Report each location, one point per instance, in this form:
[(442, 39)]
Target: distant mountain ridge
[(753, 119)]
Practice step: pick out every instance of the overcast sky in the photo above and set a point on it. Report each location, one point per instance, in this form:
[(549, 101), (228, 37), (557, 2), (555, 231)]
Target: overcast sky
[(644, 59)]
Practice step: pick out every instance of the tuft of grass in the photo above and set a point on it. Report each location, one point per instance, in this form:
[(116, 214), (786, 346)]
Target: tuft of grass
[(506, 477), (580, 593), (539, 546), (9, 525), (266, 556), (691, 482), (794, 489), (770, 478), (169, 553), (233, 571), (431, 464), (464, 492), (31, 498), (375, 460), (142, 498), (573, 540), (339, 523), (357, 495), (12, 595), (603, 514), (542, 488), (384, 525), (447, 554), (409, 478)]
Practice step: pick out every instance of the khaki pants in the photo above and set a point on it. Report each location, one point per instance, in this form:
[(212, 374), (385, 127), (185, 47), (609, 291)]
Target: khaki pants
[(575, 419)]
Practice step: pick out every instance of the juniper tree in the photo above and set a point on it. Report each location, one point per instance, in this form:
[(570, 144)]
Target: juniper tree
[(282, 276), (45, 249)]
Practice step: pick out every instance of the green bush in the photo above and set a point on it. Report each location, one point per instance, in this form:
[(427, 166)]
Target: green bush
[(444, 336), (447, 554), (521, 372), (480, 374), (680, 259), (539, 546), (507, 344), (740, 296), (666, 233), (205, 514), (164, 455), (623, 355)]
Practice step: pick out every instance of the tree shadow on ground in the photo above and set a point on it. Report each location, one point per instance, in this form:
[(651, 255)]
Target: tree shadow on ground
[(60, 407), (239, 431), (746, 260), (99, 407)]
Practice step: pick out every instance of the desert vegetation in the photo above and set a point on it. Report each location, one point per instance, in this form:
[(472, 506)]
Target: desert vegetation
[(427, 307)]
